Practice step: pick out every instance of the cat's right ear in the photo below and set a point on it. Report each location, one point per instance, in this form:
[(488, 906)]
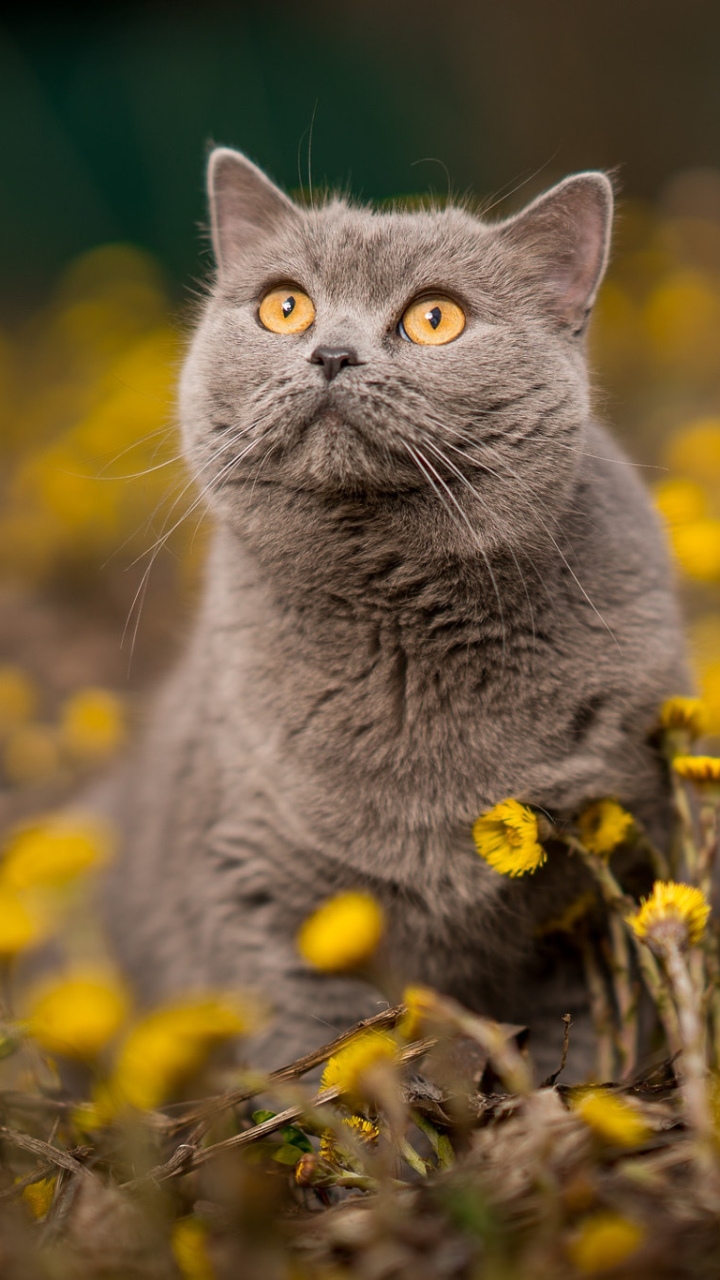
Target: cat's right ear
[(244, 206)]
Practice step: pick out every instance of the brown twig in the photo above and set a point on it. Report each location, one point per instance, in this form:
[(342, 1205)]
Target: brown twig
[(42, 1149), (204, 1111), (193, 1157)]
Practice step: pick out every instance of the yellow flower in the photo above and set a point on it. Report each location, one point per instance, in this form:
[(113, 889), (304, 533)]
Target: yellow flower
[(78, 1015), (686, 714), (422, 1005), (31, 754), (172, 1044), (702, 771), (18, 697), (710, 685), (38, 1196), (611, 1118), (92, 723), (603, 826), (52, 853), (349, 1069), (364, 1131), (507, 838), (680, 501), (674, 911), (20, 927), (190, 1249), (604, 1241), (342, 933), (697, 548), (695, 450)]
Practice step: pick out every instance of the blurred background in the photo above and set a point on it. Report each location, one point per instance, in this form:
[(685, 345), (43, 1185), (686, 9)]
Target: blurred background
[(106, 119)]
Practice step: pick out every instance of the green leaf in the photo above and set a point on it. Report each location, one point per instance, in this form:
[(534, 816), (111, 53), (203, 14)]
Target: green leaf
[(287, 1154), (296, 1137), (259, 1116)]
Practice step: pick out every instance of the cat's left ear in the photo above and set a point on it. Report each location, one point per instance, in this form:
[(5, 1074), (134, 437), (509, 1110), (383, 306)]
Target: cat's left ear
[(564, 237), (244, 206)]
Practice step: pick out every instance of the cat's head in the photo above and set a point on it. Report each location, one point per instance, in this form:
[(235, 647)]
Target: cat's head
[(345, 350)]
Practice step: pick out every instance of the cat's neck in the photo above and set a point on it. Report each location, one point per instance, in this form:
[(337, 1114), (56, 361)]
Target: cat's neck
[(401, 558)]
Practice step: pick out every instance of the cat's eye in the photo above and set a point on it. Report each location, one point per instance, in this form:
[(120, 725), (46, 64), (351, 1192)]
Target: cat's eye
[(431, 321), (286, 310)]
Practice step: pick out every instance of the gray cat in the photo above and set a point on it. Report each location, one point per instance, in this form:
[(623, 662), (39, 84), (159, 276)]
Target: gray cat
[(435, 583)]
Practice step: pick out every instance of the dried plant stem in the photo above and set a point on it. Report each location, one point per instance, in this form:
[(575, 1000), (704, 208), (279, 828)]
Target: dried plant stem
[(189, 1157), (600, 1010), (688, 861), (708, 847), (625, 993), (622, 906), (203, 1113), (693, 1060)]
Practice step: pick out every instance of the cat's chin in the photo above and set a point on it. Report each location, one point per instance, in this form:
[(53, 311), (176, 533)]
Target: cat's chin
[(333, 455)]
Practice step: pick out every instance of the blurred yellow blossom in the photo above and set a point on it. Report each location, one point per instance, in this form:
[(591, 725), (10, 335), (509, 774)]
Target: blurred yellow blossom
[(604, 1241), (189, 1240), (697, 548), (92, 723), (611, 1118), (172, 1044), (682, 318), (507, 838), (18, 697), (679, 911), (422, 1006), (604, 825), (342, 933), (53, 852), (695, 450), (31, 754), (364, 1131), (680, 501), (38, 1196), (20, 925), (687, 714), (77, 1016), (351, 1069), (702, 771)]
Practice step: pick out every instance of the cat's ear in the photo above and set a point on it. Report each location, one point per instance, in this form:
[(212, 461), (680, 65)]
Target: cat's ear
[(564, 236), (244, 205)]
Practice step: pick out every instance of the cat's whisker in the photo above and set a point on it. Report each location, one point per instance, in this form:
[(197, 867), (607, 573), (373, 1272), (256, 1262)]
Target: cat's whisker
[(425, 466)]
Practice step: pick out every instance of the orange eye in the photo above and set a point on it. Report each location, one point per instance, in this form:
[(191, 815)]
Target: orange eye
[(286, 310), (432, 322)]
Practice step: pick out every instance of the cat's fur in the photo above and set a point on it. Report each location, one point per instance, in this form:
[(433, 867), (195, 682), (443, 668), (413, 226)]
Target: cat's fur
[(389, 644)]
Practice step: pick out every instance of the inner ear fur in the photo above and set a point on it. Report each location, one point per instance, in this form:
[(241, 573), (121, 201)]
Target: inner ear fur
[(244, 205), (564, 236)]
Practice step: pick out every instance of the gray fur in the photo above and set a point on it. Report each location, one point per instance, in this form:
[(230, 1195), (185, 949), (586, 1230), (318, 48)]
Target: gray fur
[(434, 583)]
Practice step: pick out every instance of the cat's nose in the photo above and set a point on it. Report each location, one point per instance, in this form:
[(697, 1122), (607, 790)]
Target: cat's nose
[(333, 359)]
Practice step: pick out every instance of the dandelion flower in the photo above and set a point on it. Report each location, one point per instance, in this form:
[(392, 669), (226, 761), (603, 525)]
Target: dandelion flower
[(189, 1243), (603, 826), (673, 912), (611, 1118), (364, 1131), (604, 1240), (342, 933), (697, 548), (421, 1004), (52, 853), (348, 1070), (702, 771), (92, 723), (38, 1196), (79, 1015), (171, 1045), (507, 838), (20, 926), (685, 714)]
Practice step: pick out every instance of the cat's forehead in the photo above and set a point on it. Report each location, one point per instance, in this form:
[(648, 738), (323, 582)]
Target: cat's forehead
[(347, 251)]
